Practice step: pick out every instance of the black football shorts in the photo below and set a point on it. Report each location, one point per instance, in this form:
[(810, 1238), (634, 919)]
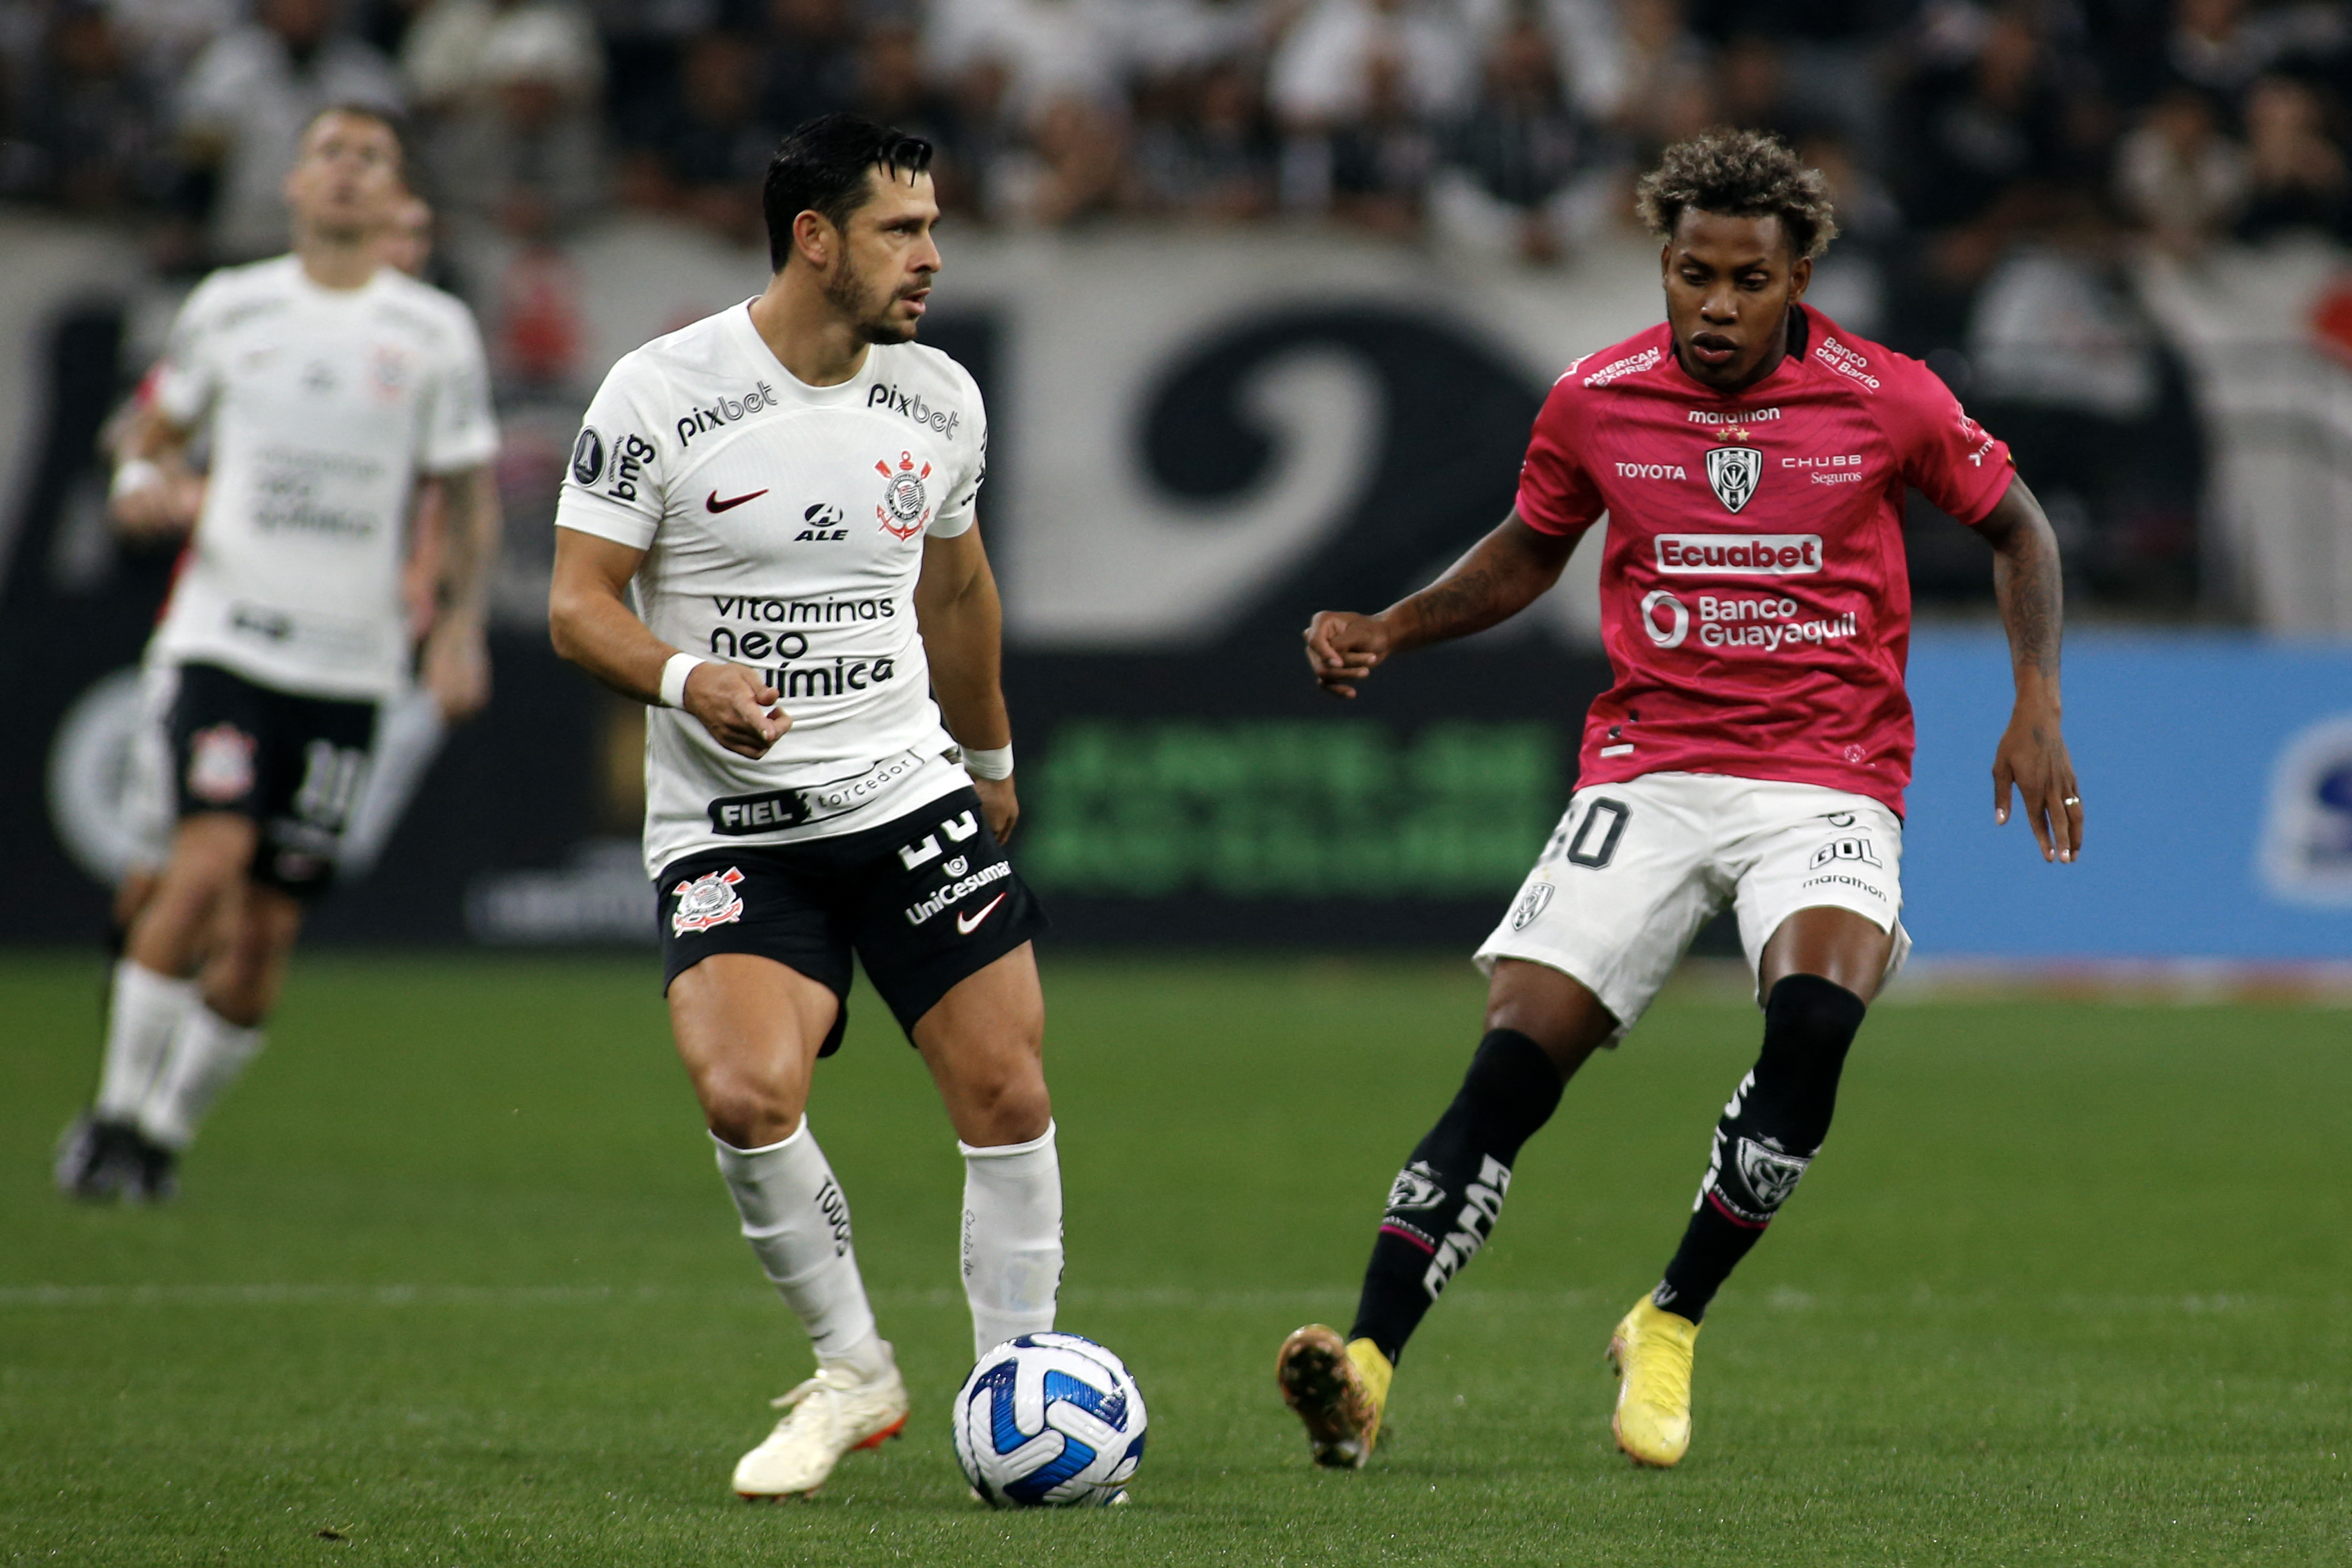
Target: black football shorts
[(293, 764), (924, 900)]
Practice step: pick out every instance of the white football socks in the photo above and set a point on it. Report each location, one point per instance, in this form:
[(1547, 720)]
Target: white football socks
[(207, 1053), (145, 1013), (1011, 1238), (797, 1222)]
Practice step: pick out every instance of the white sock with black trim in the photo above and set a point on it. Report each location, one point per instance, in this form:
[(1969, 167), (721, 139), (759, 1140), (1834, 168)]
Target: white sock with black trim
[(1011, 1238), (797, 1222), (144, 1015), (207, 1054)]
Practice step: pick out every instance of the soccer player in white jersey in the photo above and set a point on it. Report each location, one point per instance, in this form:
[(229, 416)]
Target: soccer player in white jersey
[(767, 535), (329, 384)]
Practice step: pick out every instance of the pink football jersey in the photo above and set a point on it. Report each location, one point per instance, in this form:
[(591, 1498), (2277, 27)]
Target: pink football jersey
[(1755, 603)]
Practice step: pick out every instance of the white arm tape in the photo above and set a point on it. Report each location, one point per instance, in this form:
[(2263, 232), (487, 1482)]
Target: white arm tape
[(674, 673), (993, 762), (136, 475)]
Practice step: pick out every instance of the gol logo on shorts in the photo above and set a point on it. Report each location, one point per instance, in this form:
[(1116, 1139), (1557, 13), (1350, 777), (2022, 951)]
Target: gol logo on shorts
[(707, 901)]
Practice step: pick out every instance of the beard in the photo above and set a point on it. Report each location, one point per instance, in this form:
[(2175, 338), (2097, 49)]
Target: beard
[(848, 292)]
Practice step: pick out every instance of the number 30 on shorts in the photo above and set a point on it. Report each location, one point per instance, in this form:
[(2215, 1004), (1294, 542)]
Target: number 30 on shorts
[(1593, 842)]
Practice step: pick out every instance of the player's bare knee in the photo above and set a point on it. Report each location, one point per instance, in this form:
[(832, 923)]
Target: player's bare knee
[(746, 1108), (1549, 1007), (1009, 1106)]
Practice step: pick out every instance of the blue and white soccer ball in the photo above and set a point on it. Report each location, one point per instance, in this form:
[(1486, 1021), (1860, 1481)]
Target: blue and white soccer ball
[(1049, 1420)]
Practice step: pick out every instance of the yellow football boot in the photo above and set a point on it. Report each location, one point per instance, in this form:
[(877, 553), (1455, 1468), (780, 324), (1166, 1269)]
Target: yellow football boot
[(1651, 1352), (1339, 1390)]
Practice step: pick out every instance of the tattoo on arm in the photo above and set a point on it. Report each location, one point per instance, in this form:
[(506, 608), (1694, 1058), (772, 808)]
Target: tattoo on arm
[(1500, 577), (2027, 582)]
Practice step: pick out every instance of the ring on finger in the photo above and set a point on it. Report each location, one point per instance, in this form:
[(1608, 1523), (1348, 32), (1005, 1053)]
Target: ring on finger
[(2071, 801)]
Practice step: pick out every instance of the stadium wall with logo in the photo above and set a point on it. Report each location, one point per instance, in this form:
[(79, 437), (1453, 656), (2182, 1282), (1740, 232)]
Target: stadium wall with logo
[(1293, 422)]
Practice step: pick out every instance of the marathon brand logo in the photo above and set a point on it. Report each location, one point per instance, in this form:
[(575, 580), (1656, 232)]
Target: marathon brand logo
[(727, 411), (910, 405), (1630, 365), (1482, 1203), (1766, 623), (1853, 366), (1651, 471), (1740, 555), (1753, 416)]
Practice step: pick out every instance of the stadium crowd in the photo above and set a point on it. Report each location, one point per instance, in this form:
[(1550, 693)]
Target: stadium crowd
[(1994, 163)]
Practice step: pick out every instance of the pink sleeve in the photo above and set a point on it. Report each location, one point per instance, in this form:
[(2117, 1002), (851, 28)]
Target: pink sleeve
[(1943, 451), (1555, 495)]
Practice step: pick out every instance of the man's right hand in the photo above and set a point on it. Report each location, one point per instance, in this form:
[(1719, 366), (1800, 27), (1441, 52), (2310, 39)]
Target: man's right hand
[(740, 713), (164, 506), (1343, 647)]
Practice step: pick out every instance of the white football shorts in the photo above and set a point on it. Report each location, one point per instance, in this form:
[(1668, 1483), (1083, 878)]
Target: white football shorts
[(1636, 868)]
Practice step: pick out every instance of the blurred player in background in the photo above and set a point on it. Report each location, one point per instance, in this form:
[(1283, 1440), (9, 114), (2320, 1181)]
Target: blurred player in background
[(767, 534), (414, 725), (328, 384), (1752, 458)]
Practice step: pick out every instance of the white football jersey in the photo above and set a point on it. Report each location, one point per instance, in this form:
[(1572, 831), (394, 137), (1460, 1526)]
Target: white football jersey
[(324, 405), (784, 527)]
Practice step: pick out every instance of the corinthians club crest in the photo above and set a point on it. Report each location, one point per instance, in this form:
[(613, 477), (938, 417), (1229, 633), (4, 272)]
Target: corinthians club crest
[(1734, 471), (708, 900), (906, 503)]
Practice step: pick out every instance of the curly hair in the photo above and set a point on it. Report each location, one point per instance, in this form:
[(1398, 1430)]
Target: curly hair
[(1740, 174)]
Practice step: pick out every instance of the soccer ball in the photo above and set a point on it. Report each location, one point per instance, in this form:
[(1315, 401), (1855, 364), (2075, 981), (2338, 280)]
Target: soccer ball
[(1049, 1420)]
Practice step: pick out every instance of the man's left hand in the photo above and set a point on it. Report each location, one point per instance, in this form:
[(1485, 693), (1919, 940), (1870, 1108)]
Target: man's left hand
[(457, 667), (2033, 755)]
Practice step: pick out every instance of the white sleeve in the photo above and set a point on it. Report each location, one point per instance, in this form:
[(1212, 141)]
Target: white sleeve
[(460, 432), (616, 484), (186, 377), (956, 514)]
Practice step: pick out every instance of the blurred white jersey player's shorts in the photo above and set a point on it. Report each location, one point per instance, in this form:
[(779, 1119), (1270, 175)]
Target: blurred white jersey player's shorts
[(1636, 868)]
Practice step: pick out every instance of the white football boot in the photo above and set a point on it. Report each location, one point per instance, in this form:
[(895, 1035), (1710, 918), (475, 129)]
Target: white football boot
[(831, 1414)]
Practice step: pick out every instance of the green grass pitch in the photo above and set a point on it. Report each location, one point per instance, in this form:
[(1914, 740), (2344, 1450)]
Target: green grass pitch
[(453, 1281)]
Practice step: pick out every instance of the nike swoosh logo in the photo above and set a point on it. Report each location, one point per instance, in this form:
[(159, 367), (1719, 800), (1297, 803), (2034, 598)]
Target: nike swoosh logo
[(967, 923), (716, 504)]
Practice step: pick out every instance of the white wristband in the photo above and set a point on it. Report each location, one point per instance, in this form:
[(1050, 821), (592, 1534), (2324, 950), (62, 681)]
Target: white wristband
[(990, 762), (136, 475), (674, 673)]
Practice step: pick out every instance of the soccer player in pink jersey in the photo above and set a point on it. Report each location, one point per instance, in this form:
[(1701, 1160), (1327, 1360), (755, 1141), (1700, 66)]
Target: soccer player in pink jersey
[(1751, 456)]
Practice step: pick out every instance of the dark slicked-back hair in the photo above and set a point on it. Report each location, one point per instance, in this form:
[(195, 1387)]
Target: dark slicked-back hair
[(1740, 174), (821, 167)]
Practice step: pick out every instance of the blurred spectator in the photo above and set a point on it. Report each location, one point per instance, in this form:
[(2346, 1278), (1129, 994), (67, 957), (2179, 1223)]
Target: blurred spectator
[(1356, 86), (702, 148), (2223, 45), (1980, 128), (450, 48), (247, 98), (1210, 152), (2176, 174), (893, 88), (519, 149), (88, 136), (811, 65), (1669, 89), (2296, 172), (1519, 147), (1850, 283)]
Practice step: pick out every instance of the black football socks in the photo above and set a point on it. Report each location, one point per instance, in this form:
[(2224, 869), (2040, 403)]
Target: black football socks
[(1767, 1136), (1443, 1207)]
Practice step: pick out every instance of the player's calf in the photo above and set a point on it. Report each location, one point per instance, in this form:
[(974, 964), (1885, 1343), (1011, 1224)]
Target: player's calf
[(1443, 1207), (1766, 1137)]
